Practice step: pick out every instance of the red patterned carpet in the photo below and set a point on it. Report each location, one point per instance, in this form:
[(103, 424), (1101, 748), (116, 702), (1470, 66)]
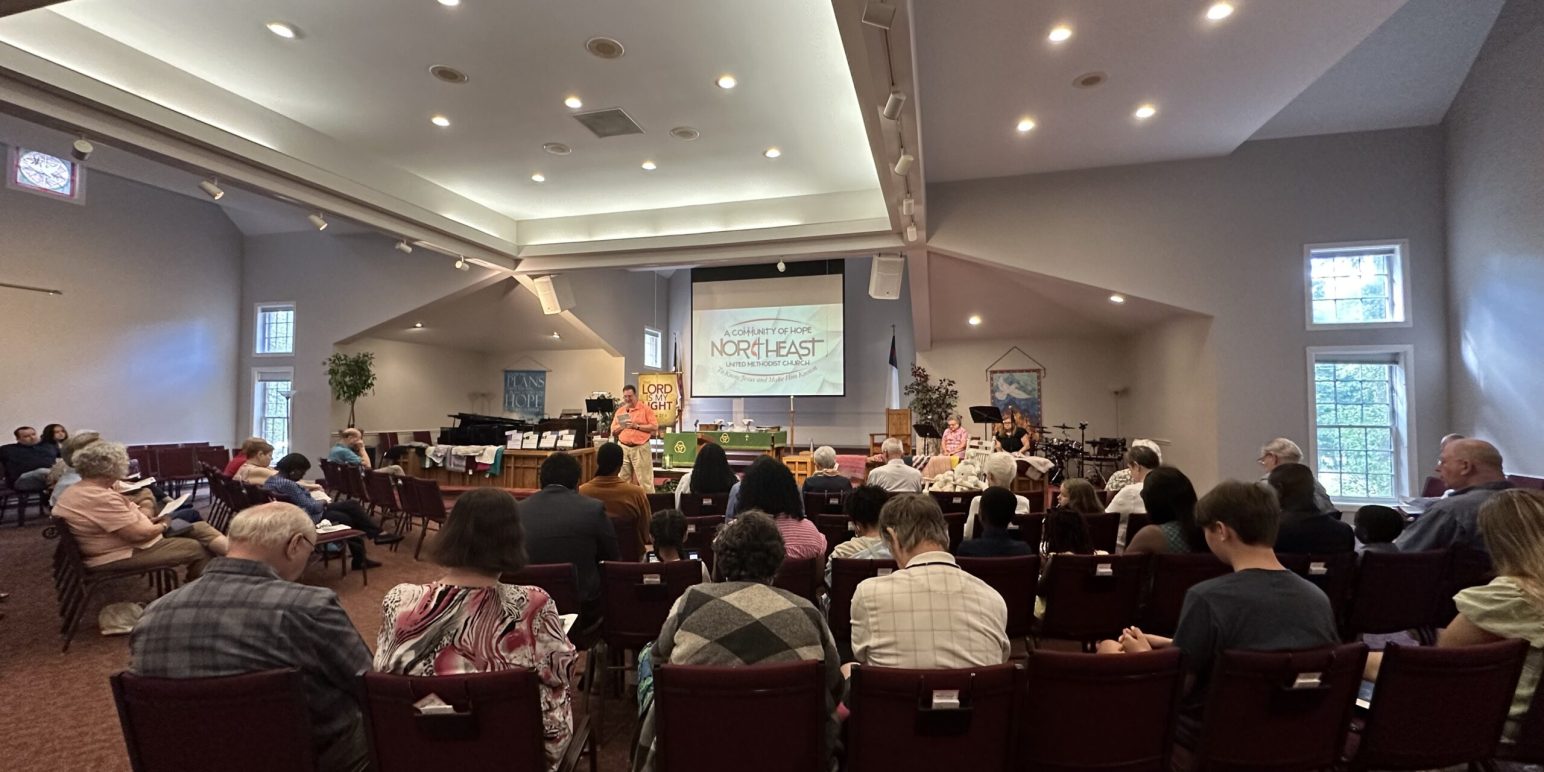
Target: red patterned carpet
[(56, 710)]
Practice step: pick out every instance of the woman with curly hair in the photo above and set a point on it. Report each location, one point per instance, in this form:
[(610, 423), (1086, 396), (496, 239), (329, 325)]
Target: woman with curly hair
[(770, 488)]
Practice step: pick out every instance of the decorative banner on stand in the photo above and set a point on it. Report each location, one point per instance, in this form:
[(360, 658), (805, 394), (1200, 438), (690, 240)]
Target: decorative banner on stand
[(1016, 389), (662, 393), (525, 394)]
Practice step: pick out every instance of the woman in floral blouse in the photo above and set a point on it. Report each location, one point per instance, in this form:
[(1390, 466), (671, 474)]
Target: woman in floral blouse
[(469, 622)]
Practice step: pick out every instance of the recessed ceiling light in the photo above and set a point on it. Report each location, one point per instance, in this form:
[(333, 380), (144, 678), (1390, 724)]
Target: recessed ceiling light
[(1117, 298), (604, 47), (440, 121), (538, 177), (556, 336), (283, 30), (573, 103), (450, 3), (726, 81), (974, 320), (448, 74), (1089, 80), (1219, 11), (772, 152), (1060, 33), (1145, 111), (418, 325), (1026, 125), (649, 166), (685, 133), (557, 148)]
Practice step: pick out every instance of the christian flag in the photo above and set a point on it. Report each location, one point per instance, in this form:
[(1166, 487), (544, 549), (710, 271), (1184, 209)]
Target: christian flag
[(895, 377)]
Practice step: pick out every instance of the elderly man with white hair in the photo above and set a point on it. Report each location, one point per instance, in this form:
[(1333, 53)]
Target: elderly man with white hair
[(895, 475), (1284, 451), (1001, 468), (826, 477), (248, 614), (1473, 470)]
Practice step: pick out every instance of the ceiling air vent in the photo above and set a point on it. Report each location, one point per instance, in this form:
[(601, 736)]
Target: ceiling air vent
[(611, 122)]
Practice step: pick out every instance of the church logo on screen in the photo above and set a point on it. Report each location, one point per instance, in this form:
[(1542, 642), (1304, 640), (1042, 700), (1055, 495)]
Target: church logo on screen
[(769, 349)]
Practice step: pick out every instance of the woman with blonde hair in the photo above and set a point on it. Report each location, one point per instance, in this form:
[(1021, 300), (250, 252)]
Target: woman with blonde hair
[(1512, 605)]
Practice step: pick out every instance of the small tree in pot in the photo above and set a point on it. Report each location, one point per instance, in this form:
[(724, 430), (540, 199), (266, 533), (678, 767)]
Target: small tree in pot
[(351, 376), (932, 402)]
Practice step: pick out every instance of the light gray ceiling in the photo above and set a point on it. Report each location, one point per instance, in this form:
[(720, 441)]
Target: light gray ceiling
[(504, 316)]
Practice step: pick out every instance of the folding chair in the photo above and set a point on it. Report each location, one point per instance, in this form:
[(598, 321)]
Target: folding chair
[(74, 583)]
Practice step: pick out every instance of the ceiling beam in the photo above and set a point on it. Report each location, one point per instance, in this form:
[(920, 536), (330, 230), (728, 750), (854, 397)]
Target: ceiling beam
[(12, 7)]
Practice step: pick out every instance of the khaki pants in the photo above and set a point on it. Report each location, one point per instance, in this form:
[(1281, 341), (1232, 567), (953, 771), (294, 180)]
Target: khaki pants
[(189, 549), (638, 465)]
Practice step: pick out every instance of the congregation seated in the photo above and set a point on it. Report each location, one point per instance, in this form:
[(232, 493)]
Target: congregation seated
[(1260, 606), (710, 473), (1284, 451), (862, 508), (467, 621), (667, 529), (1305, 528), (248, 614), (895, 475), (931, 614), (27, 460), (742, 620), (1377, 527), (1511, 606), (826, 478), (1121, 477), (561, 526), (769, 487), (1140, 460), (249, 448), (285, 484), (116, 534), (621, 498), (1001, 469), (258, 466), (64, 474), (1472, 471), (997, 507), (1170, 502), (351, 450)]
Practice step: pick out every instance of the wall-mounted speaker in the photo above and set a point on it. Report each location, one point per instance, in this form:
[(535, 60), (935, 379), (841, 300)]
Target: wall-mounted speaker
[(885, 274), (554, 293)]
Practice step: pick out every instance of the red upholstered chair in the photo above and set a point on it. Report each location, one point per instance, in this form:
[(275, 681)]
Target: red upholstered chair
[(426, 437), (1026, 528), (836, 529), (177, 466), (1333, 573), (216, 457), (74, 584), (1279, 710), (422, 500), (635, 599), (385, 503), (955, 522), (846, 573), (699, 536), (1135, 521), (1432, 487), (693, 706), (659, 502), (1015, 579), (824, 503), (704, 504), (1172, 576), (1102, 530), (931, 719), (955, 501), (495, 723), (1398, 591), (1062, 689), (1405, 729), (626, 527), (161, 719), (1088, 597), (386, 441), (802, 577), (1526, 481), (1467, 567)]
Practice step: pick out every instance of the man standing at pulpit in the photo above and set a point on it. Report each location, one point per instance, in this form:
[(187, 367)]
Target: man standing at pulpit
[(633, 425)]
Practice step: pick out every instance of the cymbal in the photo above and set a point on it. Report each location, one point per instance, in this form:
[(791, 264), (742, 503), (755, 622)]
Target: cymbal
[(1063, 427)]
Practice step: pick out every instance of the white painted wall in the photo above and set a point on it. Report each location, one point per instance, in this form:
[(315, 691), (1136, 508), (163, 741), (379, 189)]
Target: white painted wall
[(143, 344), (1224, 237), (341, 286), (416, 386), (571, 375), (1172, 377), (1495, 270)]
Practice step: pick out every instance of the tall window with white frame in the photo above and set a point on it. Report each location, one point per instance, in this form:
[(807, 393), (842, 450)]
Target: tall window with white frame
[(653, 348), (1361, 426), (272, 388), (275, 329), (1357, 285)]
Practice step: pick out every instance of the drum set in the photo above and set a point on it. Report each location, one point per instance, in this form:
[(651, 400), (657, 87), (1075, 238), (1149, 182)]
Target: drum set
[(1102, 454)]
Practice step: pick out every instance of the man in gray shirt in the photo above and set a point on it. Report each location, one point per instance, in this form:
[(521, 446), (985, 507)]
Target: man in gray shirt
[(1472, 470)]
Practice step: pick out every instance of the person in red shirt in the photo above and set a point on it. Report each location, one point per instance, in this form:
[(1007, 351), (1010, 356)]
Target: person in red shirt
[(249, 448), (632, 426)]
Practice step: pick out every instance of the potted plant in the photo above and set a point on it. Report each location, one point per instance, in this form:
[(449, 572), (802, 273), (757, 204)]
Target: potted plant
[(351, 376), (932, 402)]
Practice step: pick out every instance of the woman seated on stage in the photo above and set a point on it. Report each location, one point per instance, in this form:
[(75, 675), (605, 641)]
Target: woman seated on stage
[(1011, 438), (826, 478), (956, 439), (710, 473)]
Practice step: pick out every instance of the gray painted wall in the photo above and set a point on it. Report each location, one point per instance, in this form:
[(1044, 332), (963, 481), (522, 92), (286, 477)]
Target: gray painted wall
[(1224, 237), (1495, 268), (143, 344)]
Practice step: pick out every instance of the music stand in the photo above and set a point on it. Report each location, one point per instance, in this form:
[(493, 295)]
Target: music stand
[(598, 406), (925, 432), (988, 415)]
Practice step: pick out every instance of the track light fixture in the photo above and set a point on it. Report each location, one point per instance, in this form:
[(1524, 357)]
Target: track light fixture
[(318, 220), (462, 264), (782, 267), (212, 188), (404, 247), (878, 14), (911, 231), (903, 164), (908, 206), (893, 105), (81, 150)]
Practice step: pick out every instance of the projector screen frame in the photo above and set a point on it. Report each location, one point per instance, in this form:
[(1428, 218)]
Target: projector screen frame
[(836, 266)]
